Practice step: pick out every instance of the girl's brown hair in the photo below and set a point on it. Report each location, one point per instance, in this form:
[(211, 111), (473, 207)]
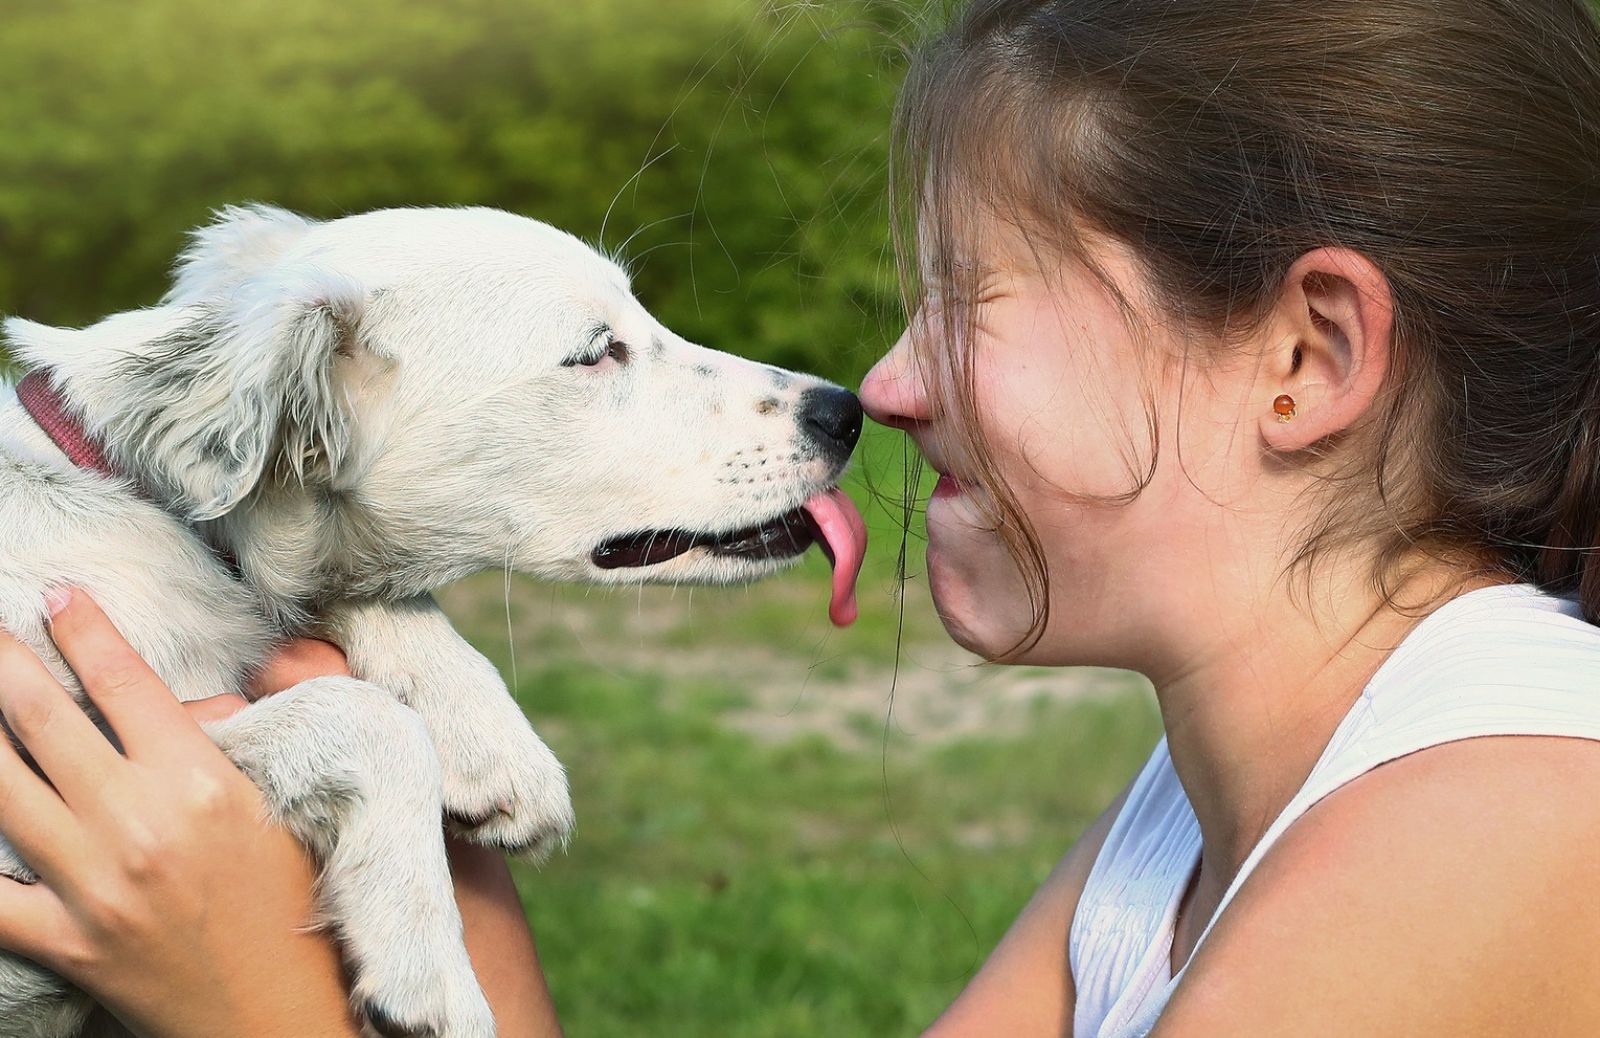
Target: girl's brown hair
[(1454, 143)]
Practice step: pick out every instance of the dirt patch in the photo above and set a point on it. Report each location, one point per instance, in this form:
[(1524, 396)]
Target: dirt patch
[(939, 693), (794, 684)]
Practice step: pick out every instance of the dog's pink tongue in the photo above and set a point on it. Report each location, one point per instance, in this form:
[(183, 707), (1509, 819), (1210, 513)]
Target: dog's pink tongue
[(846, 535)]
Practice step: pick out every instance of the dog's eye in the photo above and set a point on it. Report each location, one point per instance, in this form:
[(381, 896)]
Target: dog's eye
[(614, 350)]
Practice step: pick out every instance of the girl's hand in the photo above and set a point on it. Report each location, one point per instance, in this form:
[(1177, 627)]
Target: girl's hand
[(163, 890)]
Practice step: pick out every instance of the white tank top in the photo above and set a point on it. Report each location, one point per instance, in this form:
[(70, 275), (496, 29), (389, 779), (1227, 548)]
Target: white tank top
[(1505, 660)]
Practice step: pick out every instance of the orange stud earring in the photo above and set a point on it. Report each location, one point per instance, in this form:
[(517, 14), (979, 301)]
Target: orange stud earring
[(1283, 407)]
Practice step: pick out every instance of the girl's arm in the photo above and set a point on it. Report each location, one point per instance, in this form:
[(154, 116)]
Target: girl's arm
[(501, 945)]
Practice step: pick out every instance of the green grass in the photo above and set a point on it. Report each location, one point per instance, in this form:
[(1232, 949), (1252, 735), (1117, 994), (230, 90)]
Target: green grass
[(723, 885)]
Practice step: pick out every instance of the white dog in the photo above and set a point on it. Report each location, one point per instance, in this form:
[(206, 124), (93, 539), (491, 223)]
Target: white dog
[(321, 423)]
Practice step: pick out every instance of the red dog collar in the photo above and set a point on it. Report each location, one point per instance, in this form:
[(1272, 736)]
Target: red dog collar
[(40, 399)]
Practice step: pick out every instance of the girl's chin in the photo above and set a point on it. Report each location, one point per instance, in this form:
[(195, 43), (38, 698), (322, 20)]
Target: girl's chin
[(970, 596), (954, 610)]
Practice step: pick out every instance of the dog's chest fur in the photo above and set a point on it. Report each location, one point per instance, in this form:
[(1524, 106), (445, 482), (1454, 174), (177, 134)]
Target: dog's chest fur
[(173, 600)]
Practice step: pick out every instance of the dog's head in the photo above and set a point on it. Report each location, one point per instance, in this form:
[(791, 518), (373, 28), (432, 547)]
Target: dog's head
[(436, 391)]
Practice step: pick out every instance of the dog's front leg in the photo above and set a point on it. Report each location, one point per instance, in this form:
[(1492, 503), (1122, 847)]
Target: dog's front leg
[(353, 775), (502, 785)]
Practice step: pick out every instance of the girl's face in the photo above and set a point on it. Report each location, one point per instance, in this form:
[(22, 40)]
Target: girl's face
[(1075, 410)]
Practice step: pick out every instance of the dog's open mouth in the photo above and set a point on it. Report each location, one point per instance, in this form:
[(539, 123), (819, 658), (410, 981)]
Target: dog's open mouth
[(829, 519), (789, 534)]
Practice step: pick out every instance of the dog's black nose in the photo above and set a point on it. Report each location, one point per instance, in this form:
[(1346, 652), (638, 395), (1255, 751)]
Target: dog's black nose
[(831, 417)]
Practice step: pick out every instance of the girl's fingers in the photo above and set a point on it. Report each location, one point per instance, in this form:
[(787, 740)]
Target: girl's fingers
[(147, 717), (297, 661), (73, 754), (33, 818), (215, 708), (33, 922)]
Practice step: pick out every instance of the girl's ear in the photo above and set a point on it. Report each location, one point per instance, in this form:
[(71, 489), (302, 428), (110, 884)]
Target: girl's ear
[(1335, 321)]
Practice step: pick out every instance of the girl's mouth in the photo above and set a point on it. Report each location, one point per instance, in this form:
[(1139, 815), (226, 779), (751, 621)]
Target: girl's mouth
[(947, 486)]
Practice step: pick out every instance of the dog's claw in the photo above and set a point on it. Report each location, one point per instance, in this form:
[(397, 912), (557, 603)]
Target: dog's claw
[(531, 821), (385, 1021), (385, 1024), (427, 1007)]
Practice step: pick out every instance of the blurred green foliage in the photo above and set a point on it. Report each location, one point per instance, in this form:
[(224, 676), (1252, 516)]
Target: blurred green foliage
[(737, 146)]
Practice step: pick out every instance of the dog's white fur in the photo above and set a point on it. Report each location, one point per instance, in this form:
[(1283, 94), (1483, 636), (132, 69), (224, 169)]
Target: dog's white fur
[(360, 411)]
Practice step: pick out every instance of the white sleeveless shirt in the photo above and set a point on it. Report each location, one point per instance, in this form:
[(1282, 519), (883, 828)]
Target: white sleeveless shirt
[(1504, 660)]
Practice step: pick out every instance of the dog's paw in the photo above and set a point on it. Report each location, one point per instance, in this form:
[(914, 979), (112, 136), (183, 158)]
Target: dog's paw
[(437, 1005), (502, 786), (511, 794)]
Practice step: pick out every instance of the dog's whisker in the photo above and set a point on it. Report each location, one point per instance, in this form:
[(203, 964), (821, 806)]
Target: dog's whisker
[(621, 250), (511, 638), (651, 160)]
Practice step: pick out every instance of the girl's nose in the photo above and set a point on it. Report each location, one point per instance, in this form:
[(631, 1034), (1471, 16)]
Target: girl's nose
[(893, 392)]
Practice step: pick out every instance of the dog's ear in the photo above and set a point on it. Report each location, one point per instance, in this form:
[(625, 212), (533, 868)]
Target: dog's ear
[(198, 399), (239, 243)]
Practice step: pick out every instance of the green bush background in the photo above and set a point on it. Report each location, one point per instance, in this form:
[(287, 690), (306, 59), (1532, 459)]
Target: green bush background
[(736, 147), (762, 849)]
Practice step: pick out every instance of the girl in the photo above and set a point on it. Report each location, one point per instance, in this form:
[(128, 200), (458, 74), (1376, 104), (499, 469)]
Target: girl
[(1257, 346)]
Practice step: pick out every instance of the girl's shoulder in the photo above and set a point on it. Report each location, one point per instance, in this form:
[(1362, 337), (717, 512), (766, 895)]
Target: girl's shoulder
[(1430, 894), (1505, 633), (1502, 660), (1431, 871)]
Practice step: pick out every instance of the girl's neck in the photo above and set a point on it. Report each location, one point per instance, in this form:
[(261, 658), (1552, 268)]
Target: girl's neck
[(1249, 719)]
